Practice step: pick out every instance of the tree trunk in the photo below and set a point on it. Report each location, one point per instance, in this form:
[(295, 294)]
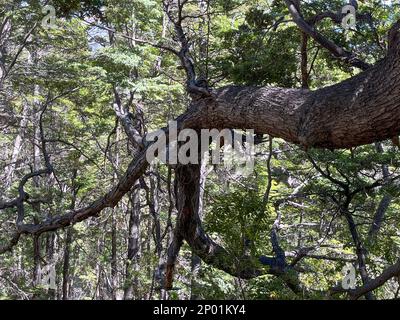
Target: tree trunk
[(189, 228), (113, 262), (36, 261), (360, 252), (383, 204), (304, 61), (66, 264), (132, 263), (9, 171), (196, 261)]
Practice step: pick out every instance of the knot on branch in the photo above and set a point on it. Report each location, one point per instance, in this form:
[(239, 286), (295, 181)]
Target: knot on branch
[(198, 89)]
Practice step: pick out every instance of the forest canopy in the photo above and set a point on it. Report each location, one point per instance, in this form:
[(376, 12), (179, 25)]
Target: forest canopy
[(312, 86)]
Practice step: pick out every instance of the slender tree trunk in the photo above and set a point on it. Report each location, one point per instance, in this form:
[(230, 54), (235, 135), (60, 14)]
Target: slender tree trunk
[(148, 253), (132, 263), (99, 293), (155, 210), (66, 264), (36, 261), (196, 261), (114, 241), (50, 249), (304, 61), (68, 242), (114, 265), (383, 204), (9, 171), (36, 182), (360, 252)]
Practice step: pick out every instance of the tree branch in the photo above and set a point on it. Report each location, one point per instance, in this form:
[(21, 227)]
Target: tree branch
[(337, 51)]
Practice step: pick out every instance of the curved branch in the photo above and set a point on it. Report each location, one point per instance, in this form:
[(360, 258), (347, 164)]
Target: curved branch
[(387, 274), (189, 228), (337, 51)]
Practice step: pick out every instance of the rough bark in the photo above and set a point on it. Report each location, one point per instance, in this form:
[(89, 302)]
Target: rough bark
[(361, 110)]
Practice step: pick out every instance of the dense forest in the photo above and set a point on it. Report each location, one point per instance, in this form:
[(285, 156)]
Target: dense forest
[(311, 87)]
